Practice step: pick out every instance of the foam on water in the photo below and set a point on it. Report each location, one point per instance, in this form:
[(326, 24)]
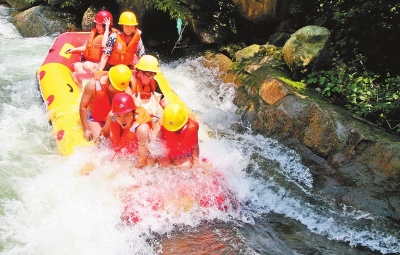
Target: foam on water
[(60, 208), (47, 206), (7, 29)]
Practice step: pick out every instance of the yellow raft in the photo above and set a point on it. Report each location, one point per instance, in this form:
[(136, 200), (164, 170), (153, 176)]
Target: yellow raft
[(62, 95)]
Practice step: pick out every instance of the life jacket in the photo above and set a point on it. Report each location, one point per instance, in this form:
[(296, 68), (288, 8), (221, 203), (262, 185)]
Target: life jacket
[(101, 104), (122, 53), (145, 90), (127, 142), (94, 50), (180, 144)]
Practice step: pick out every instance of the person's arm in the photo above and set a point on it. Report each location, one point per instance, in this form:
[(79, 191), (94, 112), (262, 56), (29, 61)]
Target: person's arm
[(195, 155), (133, 82), (105, 131), (129, 91), (103, 61), (140, 49), (142, 133), (79, 49), (163, 102), (106, 32), (84, 104), (195, 151), (107, 50)]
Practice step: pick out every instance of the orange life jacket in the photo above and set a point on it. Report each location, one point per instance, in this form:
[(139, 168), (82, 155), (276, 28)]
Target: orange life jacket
[(94, 50), (145, 90), (126, 142), (122, 53), (181, 144), (101, 104)]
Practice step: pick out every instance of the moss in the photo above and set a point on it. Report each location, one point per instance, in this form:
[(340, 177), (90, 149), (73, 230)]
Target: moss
[(296, 84)]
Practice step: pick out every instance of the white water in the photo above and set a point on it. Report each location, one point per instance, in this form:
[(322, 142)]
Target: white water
[(47, 207)]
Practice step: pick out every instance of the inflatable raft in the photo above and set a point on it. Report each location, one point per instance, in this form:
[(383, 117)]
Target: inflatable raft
[(62, 94), (62, 97)]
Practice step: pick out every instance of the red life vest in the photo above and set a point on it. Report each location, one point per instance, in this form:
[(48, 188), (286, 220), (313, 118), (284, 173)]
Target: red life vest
[(181, 144), (126, 142), (122, 53), (101, 104)]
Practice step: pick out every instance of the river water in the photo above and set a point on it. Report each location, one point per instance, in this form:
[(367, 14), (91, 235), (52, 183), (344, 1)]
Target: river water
[(47, 207)]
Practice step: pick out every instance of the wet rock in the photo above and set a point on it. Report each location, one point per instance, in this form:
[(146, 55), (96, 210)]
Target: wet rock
[(258, 11), (319, 132), (222, 65), (230, 49), (43, 20), (23, 4), (88, 17), (307, 49), (248, 52), (353, 163), (272, 90)]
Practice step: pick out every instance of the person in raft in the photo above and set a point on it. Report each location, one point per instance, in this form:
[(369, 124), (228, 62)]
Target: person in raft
[(179, 135), (97, 96), (123, 47), (93, 48), (145, 89), (128, 129)]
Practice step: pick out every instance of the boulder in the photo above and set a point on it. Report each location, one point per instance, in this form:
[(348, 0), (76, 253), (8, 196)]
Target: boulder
[(353, 163), (258, 11), (23, 4), (138, 7), (307, 49), (43, 20)]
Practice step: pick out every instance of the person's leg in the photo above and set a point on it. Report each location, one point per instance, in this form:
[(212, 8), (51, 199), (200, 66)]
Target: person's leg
[(90, 66), (78, 67), (95, 128)]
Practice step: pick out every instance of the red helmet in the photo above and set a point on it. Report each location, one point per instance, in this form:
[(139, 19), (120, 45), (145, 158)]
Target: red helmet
[(122, 103), (101, 15)]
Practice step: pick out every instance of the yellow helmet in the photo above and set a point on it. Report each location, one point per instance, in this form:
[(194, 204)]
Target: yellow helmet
[(174, 117), (127, 18), (148, 63), (120, 76)]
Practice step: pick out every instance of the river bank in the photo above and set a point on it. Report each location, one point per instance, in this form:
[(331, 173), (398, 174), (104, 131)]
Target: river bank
[(353, 164)]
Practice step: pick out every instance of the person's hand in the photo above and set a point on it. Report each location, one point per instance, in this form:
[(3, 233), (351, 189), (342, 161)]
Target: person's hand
[(88, 135), (98, 140), (107, 22), (70, 50)]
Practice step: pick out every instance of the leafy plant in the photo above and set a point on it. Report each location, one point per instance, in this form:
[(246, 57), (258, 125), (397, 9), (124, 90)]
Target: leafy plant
[(175, 8), (362, 92), (365, 35)]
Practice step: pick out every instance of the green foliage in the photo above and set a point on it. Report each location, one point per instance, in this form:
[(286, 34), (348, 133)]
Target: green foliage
[(70, 3), (220, 13), (364, 93), (174, 7), (364, 76), (366, 27)]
